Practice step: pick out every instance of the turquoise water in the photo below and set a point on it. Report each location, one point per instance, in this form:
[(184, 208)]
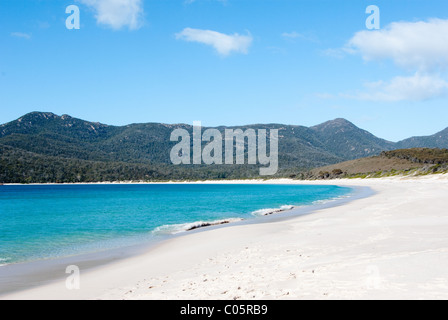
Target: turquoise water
[(41, 222)]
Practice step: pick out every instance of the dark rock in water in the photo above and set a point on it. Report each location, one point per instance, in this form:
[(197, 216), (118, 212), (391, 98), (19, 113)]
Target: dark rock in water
[(208, 224)]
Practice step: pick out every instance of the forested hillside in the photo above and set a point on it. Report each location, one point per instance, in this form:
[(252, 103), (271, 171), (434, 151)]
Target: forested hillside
[(44, 147)]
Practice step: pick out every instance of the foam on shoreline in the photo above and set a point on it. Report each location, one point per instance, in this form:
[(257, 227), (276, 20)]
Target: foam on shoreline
[(267, 212), (4, 262), (185, 227)]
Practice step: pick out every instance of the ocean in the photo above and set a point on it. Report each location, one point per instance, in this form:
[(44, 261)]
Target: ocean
[(39, 222)]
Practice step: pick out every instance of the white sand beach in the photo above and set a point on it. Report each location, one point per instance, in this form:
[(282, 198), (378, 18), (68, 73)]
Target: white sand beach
[(392, 245)]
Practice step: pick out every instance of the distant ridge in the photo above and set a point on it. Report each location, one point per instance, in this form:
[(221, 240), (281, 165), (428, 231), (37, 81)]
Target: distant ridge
[(45, 147), (438, 140)]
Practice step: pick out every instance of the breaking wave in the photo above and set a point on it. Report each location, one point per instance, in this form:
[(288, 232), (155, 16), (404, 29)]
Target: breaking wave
[(331, 200), (3, 261), (267, 212), (185, 227), (270, 211)]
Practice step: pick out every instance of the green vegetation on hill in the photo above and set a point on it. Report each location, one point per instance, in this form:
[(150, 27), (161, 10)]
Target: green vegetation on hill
[(44, 147), (17, 166), (347, 141), (438, 140), (417, 161), (419, 155)]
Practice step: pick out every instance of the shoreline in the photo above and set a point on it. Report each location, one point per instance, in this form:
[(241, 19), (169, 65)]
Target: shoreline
[(46, 271), (236, 181), (264, 258), (239, 181)]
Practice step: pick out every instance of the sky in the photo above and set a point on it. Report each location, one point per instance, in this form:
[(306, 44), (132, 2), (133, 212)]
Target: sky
[(229, 62)]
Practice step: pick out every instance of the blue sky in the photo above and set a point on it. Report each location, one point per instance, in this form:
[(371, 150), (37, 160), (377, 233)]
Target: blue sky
[(229, 62)]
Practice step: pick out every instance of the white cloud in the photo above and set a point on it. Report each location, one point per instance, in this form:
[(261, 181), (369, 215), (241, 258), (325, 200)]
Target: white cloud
[(421, 45), (414, 88), (224, 44), (21, 35), (117, 14)]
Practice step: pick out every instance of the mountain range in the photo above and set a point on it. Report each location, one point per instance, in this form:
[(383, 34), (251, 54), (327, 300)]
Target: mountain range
[(45, 147)]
